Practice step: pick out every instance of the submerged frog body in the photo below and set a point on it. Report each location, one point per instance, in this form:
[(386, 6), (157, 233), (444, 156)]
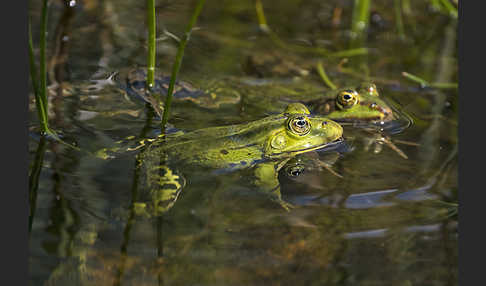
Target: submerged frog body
[(211, 96), (264, 145)]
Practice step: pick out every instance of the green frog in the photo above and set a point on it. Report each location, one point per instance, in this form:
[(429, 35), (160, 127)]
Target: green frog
[(353, 105), (357, 107), (264, 145)]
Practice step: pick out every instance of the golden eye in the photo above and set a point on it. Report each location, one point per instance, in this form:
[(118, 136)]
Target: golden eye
[(299, 125), (347, 98)]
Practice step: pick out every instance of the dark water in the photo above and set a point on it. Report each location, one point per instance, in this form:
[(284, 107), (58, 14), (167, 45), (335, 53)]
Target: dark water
[(388, 221)]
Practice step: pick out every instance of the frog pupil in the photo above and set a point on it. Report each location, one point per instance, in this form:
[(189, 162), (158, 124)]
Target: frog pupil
[(295, 172), (301, 122)]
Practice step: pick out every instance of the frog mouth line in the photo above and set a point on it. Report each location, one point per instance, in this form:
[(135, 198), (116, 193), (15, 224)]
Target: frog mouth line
[(296, 152)]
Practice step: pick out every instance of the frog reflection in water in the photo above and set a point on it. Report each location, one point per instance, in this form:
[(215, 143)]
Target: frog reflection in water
[(265, 145)]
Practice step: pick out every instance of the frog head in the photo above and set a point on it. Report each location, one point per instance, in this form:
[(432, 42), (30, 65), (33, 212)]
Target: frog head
[(362, 104), (300, 133)]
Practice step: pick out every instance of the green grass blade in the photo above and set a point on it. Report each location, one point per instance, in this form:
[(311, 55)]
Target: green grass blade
[(423, 83), (41, 112), (450, 8), (178, 61), (151, 42), (42, 55), (323, 75), (399, 19), (361, 15)]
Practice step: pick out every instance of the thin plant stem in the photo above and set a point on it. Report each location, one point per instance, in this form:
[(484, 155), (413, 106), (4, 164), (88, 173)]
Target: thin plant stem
[(151, 22), (134, 192), (399, 19), (33, 68), (41, 112), (349, 53), (262, 22), (324, 77), (42, 56), (450, 8), (178, 62), (423, 83), (361, 15), (261, 16)]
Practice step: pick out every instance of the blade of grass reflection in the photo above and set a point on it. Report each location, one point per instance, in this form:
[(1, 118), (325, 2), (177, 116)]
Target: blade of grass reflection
[(133, 199), (56, 65), (34, 178), (430, 139), (62, 206), (178, 62)]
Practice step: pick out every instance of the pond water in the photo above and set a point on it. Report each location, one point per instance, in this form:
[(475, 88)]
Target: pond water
[(389, 217)]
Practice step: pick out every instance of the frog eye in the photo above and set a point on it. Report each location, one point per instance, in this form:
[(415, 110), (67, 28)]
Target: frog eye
[(347, 98), (374, 105), (295, 171), (299, 125), (369, 89)]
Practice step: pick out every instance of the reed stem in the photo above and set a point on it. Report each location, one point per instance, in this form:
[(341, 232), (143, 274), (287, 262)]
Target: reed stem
[(399, 19), (361, 15), (151, 22), (42, 56), (41, 112), (178, 61)]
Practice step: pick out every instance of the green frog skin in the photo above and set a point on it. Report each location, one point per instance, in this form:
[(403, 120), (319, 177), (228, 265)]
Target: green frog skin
[(264, 145)]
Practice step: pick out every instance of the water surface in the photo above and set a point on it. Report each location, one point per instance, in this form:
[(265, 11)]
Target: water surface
[(388, 221)]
